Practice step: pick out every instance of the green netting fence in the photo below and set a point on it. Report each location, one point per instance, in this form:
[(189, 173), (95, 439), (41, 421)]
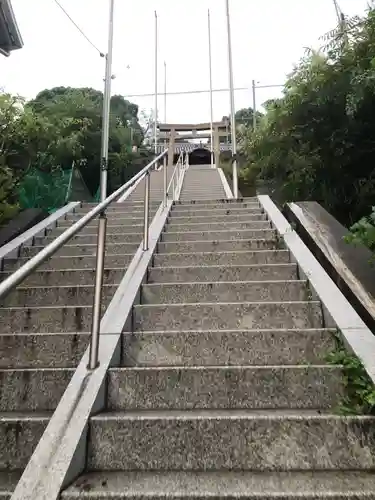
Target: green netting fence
[(52, 190)]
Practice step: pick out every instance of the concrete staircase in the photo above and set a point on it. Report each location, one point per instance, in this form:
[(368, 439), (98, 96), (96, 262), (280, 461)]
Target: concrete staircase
[(202, 182), (223, 390), (44, 326)]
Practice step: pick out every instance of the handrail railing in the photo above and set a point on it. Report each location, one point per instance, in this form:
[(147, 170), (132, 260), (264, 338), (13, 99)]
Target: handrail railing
[(175, 181), (31, 265)]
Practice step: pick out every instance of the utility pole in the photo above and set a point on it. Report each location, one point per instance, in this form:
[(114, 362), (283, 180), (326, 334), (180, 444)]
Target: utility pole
[(106, 107), (211, 98), (254, 107), (232, 106), (156, 86), (165, 92), (102, 223)]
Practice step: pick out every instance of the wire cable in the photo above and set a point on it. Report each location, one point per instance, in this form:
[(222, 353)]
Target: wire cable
[(79, 29)]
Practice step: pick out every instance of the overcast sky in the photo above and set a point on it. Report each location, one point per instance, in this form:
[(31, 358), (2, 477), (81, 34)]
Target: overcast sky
[(268, 37)]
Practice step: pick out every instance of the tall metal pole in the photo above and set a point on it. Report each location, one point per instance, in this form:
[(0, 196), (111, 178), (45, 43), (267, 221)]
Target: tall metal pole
[(102, 224), (165, 92), (232, 106), (211, 98), (338, 13), (254, 107), (156, 85), (106, 107)]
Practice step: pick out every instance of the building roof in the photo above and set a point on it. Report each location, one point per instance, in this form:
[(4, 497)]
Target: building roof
[(10, 36)]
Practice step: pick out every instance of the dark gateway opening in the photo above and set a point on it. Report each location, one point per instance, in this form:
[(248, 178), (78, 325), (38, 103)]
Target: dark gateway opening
[(200, 156)]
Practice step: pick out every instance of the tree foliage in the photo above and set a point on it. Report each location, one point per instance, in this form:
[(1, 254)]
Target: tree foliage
[(60, 126), (317, 142)]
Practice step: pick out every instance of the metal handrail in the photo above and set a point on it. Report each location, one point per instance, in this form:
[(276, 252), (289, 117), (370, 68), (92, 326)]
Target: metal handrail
[(31, 265), (181, 165)]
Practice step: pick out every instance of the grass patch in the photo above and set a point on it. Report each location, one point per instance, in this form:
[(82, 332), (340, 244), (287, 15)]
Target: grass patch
[(359, 396)]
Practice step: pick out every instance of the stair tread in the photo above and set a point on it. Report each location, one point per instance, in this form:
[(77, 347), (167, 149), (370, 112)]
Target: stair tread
[(198, 414), (222, 484)]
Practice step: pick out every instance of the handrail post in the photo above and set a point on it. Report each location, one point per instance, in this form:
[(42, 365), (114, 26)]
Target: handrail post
[(146, 211), (165, 182), (96, 311)]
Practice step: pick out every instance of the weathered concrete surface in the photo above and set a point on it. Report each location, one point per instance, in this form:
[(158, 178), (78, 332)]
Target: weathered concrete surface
[(227, 347), (223, 235), (219, 245), (182, 485), (32, 389), (26, 350), (350, 266), (243, 257), (71, 263), (69, 277), (225, 316), (232, 387), (234, 291), (230, 440), (254, 272), (45, 319), (85, 249)]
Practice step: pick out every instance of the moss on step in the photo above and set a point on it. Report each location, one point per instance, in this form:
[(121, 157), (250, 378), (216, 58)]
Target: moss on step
[(359, 396)]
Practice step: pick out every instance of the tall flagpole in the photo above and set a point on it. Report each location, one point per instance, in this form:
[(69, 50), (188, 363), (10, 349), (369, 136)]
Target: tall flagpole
[(165, 92), (211, 99), (102, 222), (106, 106), (156, 86), (232, 106), (254, 107)]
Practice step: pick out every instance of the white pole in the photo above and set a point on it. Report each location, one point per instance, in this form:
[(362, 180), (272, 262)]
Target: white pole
[(165, 92), (338, 13), (211, 99), (254, 107), (106, 107), (232, 106), (156, 85)]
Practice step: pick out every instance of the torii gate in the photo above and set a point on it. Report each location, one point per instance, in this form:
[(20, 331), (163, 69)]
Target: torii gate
[(170, 133)]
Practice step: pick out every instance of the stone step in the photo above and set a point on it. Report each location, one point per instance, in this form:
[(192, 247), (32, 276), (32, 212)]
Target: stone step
[(45, 319), (19, 435), (224, 485), (69, 277), (228, 316), (230, 440), (32, 389), (212, 201), (217, 226), (85, 249), (78, 295), (92, 226), (121, 211), (227, 347), (222, 258), (239, 291), (220, 205), (224, 235), (8, 483), (113, 218), (129, 206), (54, 350), (90, 239), (216, 218), (74, 263), (259, 272), (112, 229), (232, 387), (220, 246), (212, 211)]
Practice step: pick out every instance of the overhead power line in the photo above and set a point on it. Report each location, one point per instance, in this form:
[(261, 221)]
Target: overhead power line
[(187, 92), (79, 29)]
